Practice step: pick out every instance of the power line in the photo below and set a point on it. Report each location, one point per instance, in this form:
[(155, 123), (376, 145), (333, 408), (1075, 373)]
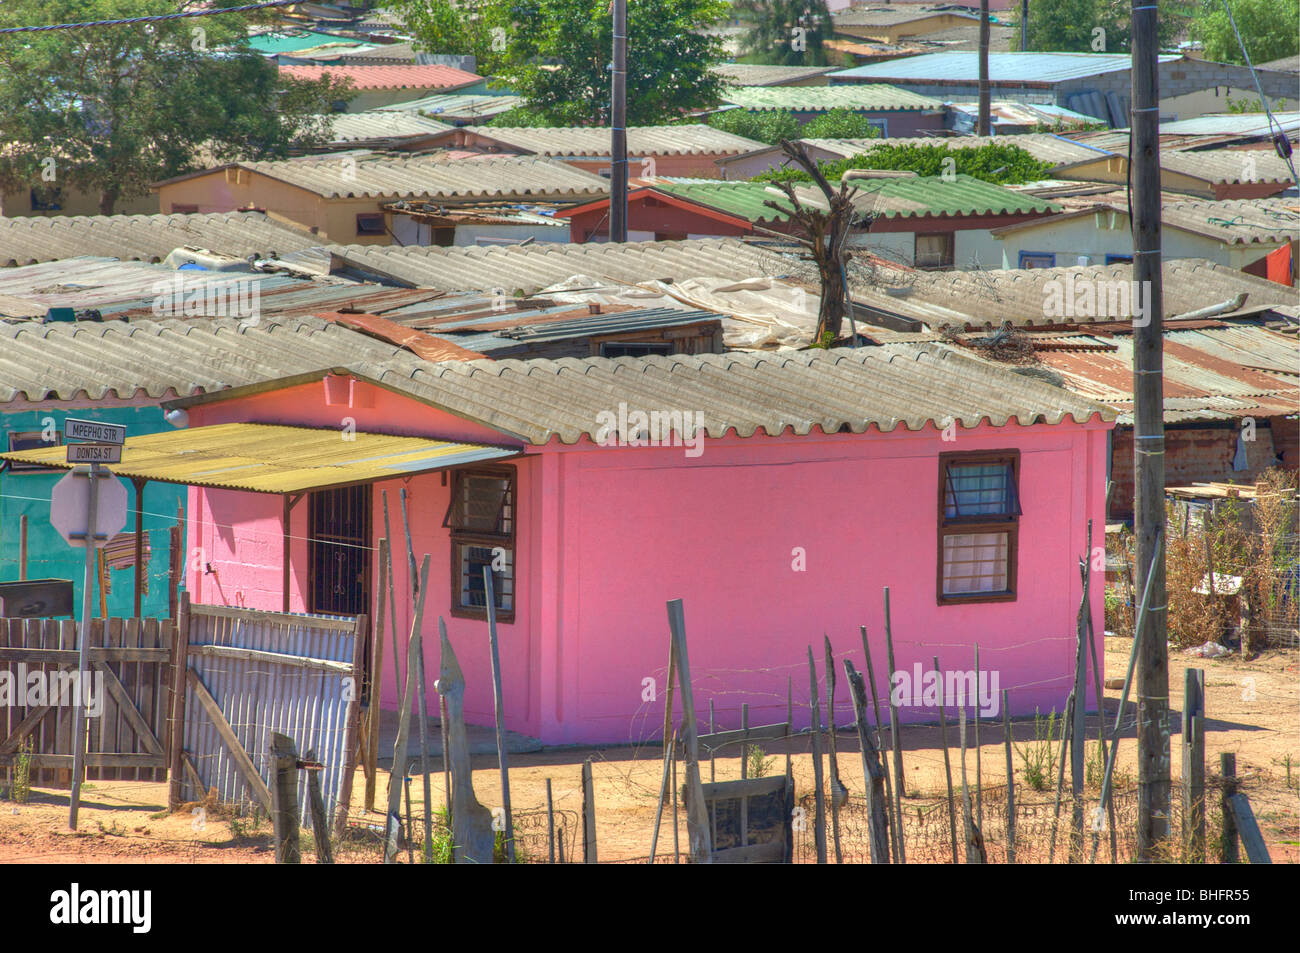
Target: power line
[(152, 19)]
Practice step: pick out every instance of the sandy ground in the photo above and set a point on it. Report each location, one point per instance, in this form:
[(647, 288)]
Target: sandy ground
[(1253, 709)]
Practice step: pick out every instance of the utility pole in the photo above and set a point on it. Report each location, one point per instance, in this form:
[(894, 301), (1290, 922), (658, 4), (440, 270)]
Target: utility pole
[(618, 115), (982, 128), (1149, 437), (1024, 25)]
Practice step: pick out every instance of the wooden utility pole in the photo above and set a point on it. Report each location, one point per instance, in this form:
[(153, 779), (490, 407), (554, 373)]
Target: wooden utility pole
[(983, 126), (618, 124), (1149, 435), (1024, 25)]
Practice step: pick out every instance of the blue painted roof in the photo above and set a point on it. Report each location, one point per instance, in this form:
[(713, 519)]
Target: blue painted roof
[(959, 66)]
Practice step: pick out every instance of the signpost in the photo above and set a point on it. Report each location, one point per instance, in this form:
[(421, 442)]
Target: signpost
[(87, 507)]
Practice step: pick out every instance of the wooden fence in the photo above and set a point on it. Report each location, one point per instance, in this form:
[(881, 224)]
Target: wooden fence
[(250, 673), (130, 668)]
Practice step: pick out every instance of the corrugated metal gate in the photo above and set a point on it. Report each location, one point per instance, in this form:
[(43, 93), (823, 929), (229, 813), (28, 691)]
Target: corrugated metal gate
[(251, 673)]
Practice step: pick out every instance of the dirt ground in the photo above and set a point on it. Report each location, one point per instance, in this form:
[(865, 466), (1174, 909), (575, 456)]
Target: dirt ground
[(1253, 710)]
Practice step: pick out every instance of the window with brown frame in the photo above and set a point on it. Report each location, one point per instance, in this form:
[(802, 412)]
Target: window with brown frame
[(979, 523), (481, 517)]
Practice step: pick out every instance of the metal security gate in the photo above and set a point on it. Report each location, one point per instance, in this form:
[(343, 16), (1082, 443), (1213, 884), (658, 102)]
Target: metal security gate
[(129, 680), (250, 673), (338, 555)]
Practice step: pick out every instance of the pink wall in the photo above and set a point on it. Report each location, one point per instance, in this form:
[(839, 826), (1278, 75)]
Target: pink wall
[(607, 535)]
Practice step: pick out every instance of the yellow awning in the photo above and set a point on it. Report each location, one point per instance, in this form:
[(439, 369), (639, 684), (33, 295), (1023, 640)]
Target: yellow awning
[(263, 458)]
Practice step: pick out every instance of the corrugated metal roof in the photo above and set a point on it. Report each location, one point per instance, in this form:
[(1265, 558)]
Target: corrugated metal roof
[(980, 298), (389, 77), (387, 52), (427, 177), (1211, 373), (892, 15), (487, 337), (685, 140), (261, 458), (36, 238), (292, 42), (533, 267), (760, 74), (873, 96), (375, 126), (1232, 124), (453, 107), (838, 390), (963, 67)]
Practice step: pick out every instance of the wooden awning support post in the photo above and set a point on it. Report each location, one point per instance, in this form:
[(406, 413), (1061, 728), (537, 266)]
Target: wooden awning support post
[(290, 501), (138, 483)]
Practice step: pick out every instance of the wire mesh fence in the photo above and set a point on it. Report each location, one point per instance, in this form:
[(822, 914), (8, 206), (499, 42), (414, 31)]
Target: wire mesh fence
[(928, 837)]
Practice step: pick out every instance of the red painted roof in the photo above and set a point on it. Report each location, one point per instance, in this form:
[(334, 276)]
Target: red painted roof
[(389, 77)]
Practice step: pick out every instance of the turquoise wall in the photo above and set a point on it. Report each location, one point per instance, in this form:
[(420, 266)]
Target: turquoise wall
[(48, 556)]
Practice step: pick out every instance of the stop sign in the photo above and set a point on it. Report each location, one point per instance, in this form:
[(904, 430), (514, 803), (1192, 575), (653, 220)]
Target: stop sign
[(69, 505)]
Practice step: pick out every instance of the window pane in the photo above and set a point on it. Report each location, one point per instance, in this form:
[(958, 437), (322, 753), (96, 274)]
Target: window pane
[(980, 489), (483, 505), (974, 562), (472, 560)]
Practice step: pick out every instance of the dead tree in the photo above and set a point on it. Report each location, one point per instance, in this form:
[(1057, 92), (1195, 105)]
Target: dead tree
[(825, 232)]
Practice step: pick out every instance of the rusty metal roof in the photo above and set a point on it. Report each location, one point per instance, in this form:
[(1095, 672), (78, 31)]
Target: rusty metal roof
[(261, 458), (1223, 371)]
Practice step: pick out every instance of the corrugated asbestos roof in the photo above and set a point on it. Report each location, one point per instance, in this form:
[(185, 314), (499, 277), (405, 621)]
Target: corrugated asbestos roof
[(429, 177), (533, 267), (1043, 146), (1215, 166), (963, 67), (1233, 222), (891, 15), (979, 298), (175, 357), (685, 140), (36, 238), (758, 74), (389, 77), (839, 390), (261, 458), (374, 125), (822, 98), (486, 335), (458, 106)]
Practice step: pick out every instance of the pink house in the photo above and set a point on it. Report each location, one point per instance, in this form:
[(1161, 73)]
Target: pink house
[(776, 494)]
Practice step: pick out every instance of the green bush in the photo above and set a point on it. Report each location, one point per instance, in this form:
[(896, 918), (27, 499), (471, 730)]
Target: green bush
[(840, 124), (770, 126)]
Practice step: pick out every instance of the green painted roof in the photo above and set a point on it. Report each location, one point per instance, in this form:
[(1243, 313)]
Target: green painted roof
[(742, 199), (291, 42), (823, 98), (889, 198)]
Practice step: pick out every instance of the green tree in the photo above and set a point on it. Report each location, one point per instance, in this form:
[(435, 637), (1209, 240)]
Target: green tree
[(1269, 28), (785, 32), (110, 110), (1097, 26), (557, 53), (763, 125), (840, 124), (995, 162)]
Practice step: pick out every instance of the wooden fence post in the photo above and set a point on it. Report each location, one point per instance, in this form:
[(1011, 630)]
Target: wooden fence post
[(550, 824), (351, 728), (1194, 763), (176, 738), (697, 821), (896, 844), (819, 791), (973, 836), (588, 815), (376, 680), (1011, 780), (284, 798), (320, 827), (1228, 768), (947, 764), (1248, 830), (838, 791), (872, 773)]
